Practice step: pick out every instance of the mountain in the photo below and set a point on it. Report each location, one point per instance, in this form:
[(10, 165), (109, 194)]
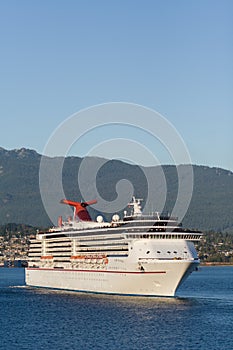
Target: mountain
[(211, 207)]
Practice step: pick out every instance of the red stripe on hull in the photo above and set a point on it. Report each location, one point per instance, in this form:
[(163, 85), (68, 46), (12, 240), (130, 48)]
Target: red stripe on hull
[(104, 271)]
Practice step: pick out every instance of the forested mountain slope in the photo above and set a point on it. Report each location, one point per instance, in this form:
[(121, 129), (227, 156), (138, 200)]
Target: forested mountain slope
[(211, 206)]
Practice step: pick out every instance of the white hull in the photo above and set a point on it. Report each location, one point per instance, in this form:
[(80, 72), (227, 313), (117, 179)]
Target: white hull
[(161, 279)]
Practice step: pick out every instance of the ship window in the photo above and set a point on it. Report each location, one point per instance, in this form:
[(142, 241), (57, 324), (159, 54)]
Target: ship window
[(147, 252), (158, 252), (168, 252), (175, 252)]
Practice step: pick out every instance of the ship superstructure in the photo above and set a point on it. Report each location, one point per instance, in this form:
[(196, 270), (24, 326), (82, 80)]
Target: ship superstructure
[(137, 255)]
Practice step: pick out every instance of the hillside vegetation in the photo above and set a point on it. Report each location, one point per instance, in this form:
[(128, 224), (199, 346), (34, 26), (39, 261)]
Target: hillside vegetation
[(211, 207)]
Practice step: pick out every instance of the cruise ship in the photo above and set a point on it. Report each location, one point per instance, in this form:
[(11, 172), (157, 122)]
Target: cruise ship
[(138, 254)]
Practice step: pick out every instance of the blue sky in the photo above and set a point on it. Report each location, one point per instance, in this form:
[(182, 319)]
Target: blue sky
[(174, 56)]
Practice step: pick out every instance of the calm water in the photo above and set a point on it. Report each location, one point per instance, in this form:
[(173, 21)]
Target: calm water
[(200, 318)]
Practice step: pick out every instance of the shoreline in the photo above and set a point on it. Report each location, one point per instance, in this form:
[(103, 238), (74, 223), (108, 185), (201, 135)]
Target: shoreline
[(215, 264)]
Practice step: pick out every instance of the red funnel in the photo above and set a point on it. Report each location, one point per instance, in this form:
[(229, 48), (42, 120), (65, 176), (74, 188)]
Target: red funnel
[(80, 208)]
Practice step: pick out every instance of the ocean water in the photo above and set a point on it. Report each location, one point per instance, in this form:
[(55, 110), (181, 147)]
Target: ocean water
[(199, 318)]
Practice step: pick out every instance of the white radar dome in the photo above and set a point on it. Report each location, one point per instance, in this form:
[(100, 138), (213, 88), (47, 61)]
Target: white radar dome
[(99, 219), (116, 217)]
